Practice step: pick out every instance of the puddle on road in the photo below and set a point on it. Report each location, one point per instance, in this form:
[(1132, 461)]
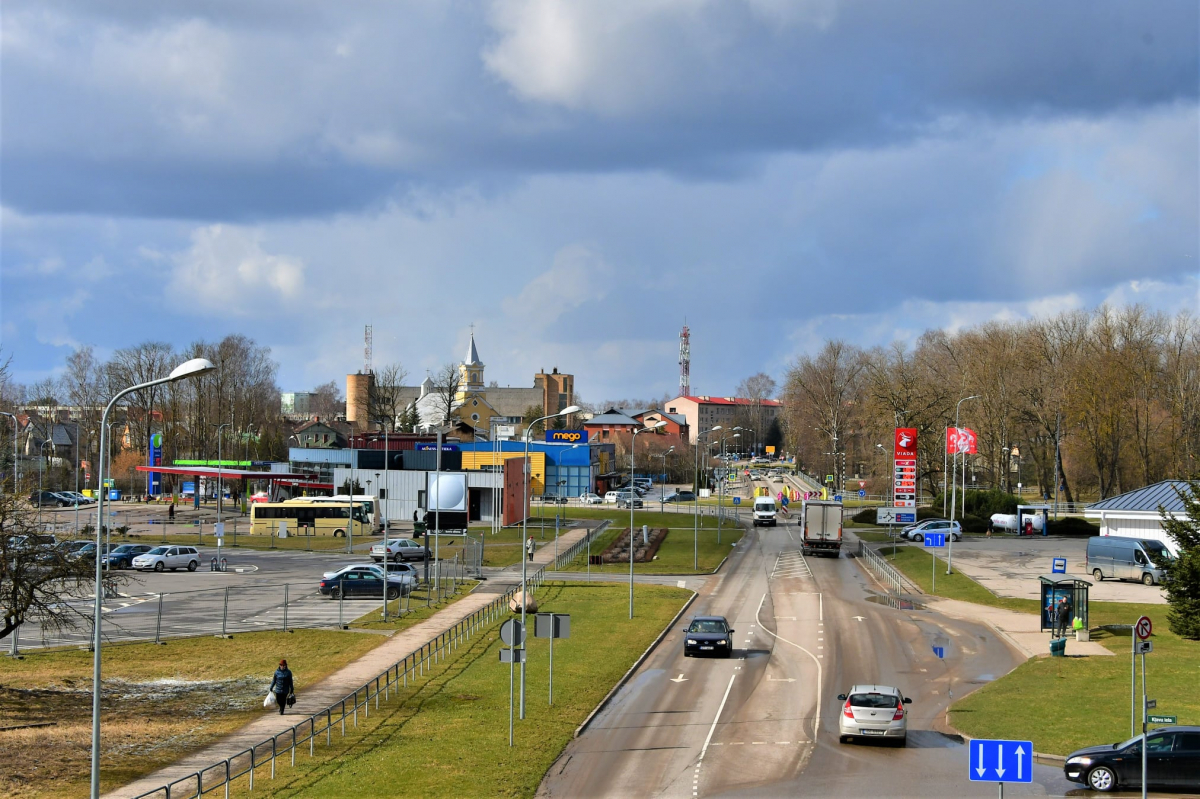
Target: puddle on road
[(899, 603)]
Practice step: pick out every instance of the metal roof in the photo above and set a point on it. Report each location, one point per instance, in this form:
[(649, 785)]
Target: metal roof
[(1146, 499), (612, 418)]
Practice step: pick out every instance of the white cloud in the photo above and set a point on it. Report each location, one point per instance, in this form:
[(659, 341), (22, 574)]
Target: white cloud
[(577, 275), (227, 272)]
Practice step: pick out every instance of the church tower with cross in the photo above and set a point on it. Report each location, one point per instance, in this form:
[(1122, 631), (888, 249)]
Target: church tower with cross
[(470, 371)]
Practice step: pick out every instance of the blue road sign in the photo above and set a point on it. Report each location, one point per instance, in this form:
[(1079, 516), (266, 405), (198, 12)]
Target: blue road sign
[(837, 497), (906, 518), (862, 492), (940, 651), (935, 540), (737, 500), (1059, 566), (1001, 761)]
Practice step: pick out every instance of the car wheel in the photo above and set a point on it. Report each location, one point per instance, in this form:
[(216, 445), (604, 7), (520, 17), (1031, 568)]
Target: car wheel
[(193, 565), (159, 566), (393, 593), (337, 533), (843, 739), (1099, 575), (1147, 579), (1102, 778), (918, 537), (334, 593)]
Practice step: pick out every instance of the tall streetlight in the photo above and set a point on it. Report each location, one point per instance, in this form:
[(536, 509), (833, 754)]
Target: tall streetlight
[(220, 488), (661, 423), (193, 368), (696, 501), (525, 529), (721, 484), (954, 485), (16, 434), (662, 491)]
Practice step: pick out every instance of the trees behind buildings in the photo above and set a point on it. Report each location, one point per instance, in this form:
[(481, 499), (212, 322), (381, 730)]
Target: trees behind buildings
[(1106, 399)]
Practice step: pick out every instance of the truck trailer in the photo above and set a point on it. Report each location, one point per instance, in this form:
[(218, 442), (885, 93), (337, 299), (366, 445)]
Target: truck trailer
[(821, 527)]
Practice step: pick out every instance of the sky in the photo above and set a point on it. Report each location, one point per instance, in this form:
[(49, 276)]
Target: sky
[(577, 180)]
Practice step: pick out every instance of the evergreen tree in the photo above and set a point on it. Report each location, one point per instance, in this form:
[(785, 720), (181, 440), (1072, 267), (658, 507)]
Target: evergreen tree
[(1183, 588)]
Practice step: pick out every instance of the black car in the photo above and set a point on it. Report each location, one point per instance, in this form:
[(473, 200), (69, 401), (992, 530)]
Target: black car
[(122, 556), (361, 581), (1172, 762), (48, 499), (708, 635), (681, 496)]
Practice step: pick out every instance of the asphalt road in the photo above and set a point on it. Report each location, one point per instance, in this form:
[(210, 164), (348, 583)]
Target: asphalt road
[(764, 723)]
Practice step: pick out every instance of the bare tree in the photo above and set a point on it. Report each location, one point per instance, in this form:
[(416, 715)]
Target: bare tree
[(141, 364), (445, 390), (328, 402), (385, 402)]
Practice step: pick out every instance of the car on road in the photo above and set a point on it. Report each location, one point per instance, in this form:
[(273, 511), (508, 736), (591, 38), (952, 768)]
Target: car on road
[(1172, 762), (708, 635), (625, 499), (48, 499), (398, 549), (365, 580), (591, 499), (122, 556), (681, 496), (917, 532), (873, 711), (168, 558)]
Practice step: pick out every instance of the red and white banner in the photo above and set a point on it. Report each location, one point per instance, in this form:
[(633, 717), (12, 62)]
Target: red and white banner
[(904, 471), (960, 440)]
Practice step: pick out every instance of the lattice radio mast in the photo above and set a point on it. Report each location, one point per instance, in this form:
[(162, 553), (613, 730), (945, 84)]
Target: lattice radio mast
[(368, 341), (685, 362)]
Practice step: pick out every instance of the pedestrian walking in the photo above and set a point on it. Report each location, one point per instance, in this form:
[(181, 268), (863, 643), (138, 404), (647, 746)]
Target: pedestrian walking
[(1064, 615), (171, 512), (282, 686), (529, 547)]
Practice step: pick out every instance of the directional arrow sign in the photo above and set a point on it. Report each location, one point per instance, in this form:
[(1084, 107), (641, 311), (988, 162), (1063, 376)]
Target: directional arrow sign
[(859, 618), (680, 678), (1001, 761)]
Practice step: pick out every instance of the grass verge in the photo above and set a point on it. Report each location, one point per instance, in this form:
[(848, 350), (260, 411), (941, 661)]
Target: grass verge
[(677, 555), (447, 735), (159, 703), (914, 562)]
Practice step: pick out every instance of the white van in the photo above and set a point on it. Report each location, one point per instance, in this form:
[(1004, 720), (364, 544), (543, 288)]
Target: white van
[(611, 498), (764, 511)]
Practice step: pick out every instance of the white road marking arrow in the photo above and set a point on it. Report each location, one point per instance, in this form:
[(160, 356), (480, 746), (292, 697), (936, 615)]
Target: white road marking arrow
[(860, 618), (980, 769), (1000, 761), (781, 679), (1020, 762), (680, 678)]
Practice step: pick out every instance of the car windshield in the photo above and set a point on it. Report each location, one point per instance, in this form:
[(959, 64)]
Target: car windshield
[(707, 626), (874, 700), (158, 551), (1157, 550)]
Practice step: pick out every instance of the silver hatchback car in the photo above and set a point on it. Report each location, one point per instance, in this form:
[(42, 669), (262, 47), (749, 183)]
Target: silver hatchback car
[(873, 711)]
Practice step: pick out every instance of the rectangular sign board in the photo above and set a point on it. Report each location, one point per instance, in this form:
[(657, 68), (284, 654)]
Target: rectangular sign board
[(1163, 719), (933, 540), (895, 516), (1143, 647), (1058, 566), (1001, 761)]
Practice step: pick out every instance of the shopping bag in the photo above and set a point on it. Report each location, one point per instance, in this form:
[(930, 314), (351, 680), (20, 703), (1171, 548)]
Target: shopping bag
[(291, 700), (271, 703)]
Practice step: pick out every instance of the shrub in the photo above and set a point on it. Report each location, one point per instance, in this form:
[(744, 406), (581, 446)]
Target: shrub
[(982, 503), (864, 516)]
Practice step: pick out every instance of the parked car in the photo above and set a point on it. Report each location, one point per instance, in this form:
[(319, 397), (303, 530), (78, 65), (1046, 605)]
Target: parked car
[(88, 552), (553, 499), (873, 711), (122, 556), (398, 549), (708, 635), (626, 498), (591, 499), (917, 532), (1119, 558), (1172, 762), (681, 496), (168, 557), (364, 580), (610, 498), (77, 497), (48, 499)]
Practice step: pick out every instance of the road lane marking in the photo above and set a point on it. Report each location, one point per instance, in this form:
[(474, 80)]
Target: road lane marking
[(679, 679), (720, 709), (816, 659)]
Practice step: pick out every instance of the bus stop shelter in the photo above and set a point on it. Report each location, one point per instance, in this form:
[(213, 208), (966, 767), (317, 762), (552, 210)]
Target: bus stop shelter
[(1075, 589)]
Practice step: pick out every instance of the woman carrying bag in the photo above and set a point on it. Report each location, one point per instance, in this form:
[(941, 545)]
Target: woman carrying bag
[(282, 688)]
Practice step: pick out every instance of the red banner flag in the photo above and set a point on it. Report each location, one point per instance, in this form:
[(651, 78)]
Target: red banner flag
[(960, 440)]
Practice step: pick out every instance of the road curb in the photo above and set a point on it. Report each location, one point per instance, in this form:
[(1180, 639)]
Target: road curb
[(637, 664)]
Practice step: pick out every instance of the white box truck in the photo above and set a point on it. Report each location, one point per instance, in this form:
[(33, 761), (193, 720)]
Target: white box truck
[(821, 528), (764, 511)]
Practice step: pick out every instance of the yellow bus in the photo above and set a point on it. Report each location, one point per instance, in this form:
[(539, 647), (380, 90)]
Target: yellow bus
[(306, 518)]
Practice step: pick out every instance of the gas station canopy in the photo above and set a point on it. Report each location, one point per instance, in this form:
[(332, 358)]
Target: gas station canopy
[(226, 474)]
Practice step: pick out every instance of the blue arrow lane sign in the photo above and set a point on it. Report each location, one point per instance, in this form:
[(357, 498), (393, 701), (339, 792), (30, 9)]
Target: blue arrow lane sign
[(933, 540), (1001, 761)]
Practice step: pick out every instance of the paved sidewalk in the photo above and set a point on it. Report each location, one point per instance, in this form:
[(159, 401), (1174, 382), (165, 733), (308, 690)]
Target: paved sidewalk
[(354, 675), (1019, 629)]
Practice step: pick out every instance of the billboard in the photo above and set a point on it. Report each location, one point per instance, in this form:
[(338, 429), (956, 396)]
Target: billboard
[(566, 436), (445, 491), (154, 479), (904, 469)]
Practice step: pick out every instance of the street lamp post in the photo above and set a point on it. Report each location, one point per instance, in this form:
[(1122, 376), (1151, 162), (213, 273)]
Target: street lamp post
[(525, 531), (187, 369), (953, 484), (721, 484), (220, 489), (662, 489), (661, 423), (696, 501)]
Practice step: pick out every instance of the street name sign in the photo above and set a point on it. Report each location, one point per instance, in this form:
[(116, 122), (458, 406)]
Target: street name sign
[(1163, 719), (1001, 761), (933, 540)]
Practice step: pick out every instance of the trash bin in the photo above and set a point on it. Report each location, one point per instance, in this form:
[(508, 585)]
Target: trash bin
[(1058, 647), (596, 560), (418, 529)]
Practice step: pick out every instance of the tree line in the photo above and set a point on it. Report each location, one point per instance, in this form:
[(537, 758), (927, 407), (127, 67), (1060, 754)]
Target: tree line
[(1107, 400)]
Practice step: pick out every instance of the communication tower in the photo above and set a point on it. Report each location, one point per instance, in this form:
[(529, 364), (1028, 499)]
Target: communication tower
[(368, 340), (685, 362)]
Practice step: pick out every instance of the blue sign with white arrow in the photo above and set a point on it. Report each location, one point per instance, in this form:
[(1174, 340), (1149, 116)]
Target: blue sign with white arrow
[(1001, 761), (935, 540)]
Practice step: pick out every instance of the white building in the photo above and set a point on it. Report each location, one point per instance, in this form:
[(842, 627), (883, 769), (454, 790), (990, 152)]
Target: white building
[(1136, 515)]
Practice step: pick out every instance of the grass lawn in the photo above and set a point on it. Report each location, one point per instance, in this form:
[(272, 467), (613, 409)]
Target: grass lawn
[(1063, 704), (159, 703), (678, 552), (448, 734), (914, 562)]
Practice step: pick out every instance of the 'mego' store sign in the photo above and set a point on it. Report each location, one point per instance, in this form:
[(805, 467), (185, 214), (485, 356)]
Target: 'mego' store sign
[(566, 436)]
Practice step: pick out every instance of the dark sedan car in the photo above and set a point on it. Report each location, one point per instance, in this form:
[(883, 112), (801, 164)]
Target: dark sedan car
[(362, 581), (48, 499), (708, 635), (681, 496), (1172, 762), (122, 556)]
